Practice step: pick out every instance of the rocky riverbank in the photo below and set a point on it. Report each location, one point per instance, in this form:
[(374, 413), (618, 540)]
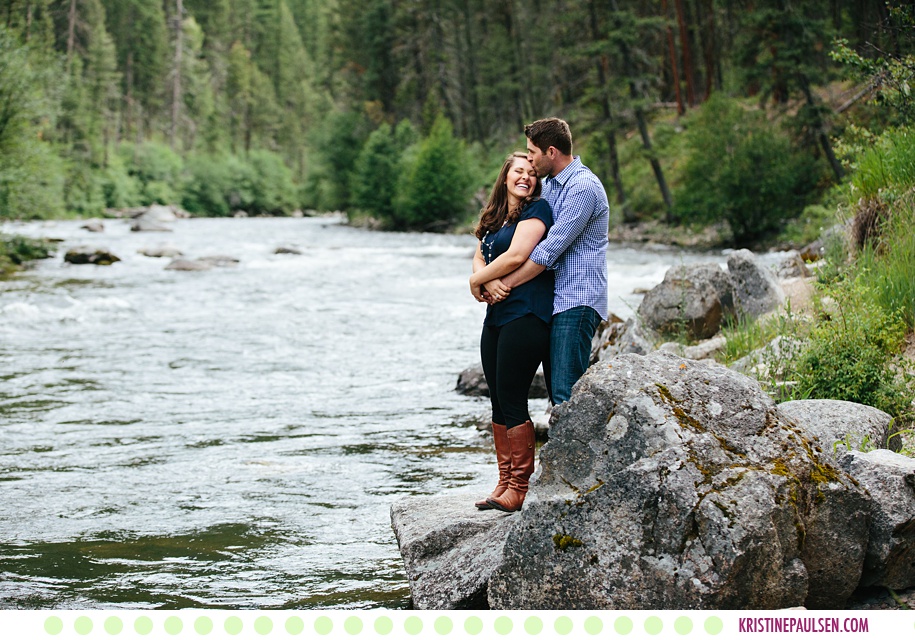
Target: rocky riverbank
[(670, 481)]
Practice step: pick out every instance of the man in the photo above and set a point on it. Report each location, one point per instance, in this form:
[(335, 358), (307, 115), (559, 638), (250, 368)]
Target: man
[(575, 248)]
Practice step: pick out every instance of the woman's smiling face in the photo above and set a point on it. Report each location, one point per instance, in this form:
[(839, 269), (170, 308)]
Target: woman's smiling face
[(520, 181)]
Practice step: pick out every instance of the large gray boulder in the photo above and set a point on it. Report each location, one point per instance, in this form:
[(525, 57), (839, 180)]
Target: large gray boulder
[(756, 287), (449, 548), (675, 484), (694, 298), (833, 425), (889, 478)]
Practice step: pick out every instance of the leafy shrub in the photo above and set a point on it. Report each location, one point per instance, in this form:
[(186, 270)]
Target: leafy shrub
[(31, 181), (743, 170), (83, 189), (157, 169), (272, 188), (119, 188), (851, 355)]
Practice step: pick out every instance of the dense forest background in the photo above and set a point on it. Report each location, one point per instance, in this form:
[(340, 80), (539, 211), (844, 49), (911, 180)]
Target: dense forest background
[(743, 112)]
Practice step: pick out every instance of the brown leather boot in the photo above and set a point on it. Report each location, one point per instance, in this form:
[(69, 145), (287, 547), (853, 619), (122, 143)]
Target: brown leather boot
[(521, 442), (503, 459)]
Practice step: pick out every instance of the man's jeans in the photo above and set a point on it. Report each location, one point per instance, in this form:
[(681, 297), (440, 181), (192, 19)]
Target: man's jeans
[(570, 348)]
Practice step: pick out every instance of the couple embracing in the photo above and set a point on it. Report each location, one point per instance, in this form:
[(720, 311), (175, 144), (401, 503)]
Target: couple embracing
[(541, 267)]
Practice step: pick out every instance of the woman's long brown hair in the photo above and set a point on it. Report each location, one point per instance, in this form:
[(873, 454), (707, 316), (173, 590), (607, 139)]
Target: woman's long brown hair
[(496, 213)]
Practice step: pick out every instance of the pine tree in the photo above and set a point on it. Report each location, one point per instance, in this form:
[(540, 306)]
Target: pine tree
[(374, 178), (434, 192)]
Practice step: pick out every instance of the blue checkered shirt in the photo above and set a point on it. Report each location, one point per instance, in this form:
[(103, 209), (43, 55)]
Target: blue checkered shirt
[(576, 245)]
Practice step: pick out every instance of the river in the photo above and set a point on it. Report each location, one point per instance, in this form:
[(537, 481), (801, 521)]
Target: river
[(235, 437)]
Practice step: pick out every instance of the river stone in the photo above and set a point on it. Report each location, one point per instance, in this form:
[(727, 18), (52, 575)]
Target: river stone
[(631, 336), (686, 299), (769, 361), (142, 225), (90, 255), (162, 251), (792, 266), (94, 226), (756, 288), (675, 484), (834, 424), (220, 260), (181, 264), (701, 351), (889, 478), (156, 213), (472, 382), (449, 548)]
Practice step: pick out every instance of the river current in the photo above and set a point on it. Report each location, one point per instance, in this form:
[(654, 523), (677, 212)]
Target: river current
[(235, 437)]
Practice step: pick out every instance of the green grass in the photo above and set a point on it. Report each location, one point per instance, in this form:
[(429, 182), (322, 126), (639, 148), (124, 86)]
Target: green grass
[(746, 335), (888, 270), (889, 165)]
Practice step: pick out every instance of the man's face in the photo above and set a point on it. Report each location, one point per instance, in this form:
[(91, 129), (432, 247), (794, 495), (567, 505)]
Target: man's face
[(542, 162)]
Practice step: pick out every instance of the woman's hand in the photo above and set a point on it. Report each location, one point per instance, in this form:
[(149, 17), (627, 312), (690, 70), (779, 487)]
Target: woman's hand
[(476, 290), (497, 290)]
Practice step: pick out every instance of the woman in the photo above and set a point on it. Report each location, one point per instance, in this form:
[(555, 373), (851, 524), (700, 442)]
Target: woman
[(516, 331)]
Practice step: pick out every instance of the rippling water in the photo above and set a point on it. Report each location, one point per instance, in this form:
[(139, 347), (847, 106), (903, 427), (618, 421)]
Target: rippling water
[(235, 437)]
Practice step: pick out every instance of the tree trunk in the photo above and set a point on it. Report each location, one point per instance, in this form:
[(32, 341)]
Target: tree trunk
[(672, 51), (687, 57), (821, 131), (71, 33), (609, 127), (128, 94), (176, 79), (476, 119), (629, 72)]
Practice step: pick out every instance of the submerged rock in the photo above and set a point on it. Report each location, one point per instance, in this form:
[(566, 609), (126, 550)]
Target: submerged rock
[(162, 251), (181, 264), (90, 255)]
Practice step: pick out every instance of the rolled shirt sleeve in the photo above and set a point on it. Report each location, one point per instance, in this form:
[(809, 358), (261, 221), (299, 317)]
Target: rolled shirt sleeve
[(581, 203)]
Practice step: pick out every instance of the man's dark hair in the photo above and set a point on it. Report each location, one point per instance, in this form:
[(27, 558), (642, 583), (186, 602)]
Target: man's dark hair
[(550, 132)]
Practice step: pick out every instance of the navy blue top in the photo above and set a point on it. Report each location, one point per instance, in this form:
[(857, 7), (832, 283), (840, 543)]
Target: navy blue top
[(535, 296)]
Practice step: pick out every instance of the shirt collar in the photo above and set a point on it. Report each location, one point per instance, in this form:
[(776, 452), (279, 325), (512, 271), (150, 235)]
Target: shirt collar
[(563, 176)]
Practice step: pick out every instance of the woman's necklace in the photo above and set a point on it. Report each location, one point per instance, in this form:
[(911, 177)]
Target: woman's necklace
[(487, 252)]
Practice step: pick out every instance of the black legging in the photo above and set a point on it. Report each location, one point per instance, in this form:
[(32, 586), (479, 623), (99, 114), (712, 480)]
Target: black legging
[(511, 354)]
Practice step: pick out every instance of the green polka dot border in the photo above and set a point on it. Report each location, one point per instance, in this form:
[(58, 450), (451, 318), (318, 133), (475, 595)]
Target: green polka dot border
[(386, 624)]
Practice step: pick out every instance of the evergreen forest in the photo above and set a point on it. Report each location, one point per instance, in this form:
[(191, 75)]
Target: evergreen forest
[(750, 114)]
